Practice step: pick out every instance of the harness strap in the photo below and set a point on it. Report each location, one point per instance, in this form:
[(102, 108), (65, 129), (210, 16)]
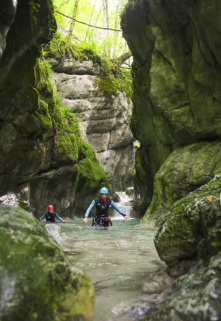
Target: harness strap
[(111, 224)]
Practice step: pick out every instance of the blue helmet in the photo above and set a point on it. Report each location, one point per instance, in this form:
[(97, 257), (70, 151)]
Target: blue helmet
[(104, 190)]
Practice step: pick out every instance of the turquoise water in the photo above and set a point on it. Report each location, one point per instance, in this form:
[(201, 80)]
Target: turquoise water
[(117, 260)]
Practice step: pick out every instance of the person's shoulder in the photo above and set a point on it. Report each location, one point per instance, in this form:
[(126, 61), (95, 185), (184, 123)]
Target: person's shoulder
[(97, 199)]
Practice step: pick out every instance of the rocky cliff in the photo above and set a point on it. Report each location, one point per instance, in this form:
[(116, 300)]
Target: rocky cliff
[(87, 87), (176, 117), (177, 97), (40, 141), (40, 146)]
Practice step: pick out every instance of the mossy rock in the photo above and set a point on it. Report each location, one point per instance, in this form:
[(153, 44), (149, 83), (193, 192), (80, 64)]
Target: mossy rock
[(130, 191), (37, 282), (183, 171), (189, 222)]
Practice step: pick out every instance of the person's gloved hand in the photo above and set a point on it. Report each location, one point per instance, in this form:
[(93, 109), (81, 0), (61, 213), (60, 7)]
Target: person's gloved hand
[(85, 220), (127, 218)]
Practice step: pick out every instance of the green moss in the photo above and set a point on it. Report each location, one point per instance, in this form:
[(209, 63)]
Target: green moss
[(124, 79), (185, 222), (106, 84), (42, 114), (67, 129), (90, 168), (59, 46), (70, 145), (33, 263)]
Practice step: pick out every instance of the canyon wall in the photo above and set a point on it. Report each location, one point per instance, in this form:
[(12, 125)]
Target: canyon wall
[(176, 92)]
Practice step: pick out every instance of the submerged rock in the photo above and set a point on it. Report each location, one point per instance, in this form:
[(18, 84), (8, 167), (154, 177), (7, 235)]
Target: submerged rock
[(157, 283), (36, 280), (194, 296)]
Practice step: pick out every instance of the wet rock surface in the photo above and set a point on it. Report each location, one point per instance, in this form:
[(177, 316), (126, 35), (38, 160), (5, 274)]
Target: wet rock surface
[(34, 271), (157, 283), (194, 296)]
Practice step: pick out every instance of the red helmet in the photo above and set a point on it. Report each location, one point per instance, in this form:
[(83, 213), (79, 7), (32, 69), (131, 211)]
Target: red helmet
[(50, 207)]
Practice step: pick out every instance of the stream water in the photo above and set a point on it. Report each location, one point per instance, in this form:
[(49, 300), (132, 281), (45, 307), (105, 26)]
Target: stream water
[(117, 259)]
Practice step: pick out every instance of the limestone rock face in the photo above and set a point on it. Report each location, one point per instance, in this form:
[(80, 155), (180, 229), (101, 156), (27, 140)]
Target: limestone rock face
[(176, 78), (104, 116), (37, 282)]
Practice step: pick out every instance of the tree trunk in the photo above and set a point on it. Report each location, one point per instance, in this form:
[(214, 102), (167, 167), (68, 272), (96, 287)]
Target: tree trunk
[(115, 26), (95, 25), (73, 21), (105, 25), (90, 20)]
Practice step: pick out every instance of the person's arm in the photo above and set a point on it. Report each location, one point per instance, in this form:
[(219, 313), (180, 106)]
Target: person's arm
[(41, 218), (88, 211), (119, 210), (59, 217)]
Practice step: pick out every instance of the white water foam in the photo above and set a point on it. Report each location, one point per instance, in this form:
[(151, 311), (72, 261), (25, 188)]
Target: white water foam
[(124, 205)]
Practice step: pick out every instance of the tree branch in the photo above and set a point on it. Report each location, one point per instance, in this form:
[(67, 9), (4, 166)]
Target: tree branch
[(84, 23), (120, 60), (117, 62)]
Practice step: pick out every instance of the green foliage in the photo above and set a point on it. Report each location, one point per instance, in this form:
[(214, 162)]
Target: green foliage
[(107, 81), (85, 51), (109, 43)]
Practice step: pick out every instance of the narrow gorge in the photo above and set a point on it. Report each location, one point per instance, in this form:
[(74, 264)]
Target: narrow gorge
[(69, 119)]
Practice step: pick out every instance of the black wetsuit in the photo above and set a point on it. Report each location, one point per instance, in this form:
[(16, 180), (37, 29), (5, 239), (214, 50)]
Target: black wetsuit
[(102, 208)]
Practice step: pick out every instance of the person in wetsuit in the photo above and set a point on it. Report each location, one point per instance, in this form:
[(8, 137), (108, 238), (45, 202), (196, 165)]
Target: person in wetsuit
[(50, 215), (103, 203)]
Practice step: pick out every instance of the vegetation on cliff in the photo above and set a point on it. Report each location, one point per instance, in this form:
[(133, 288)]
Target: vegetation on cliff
[(69, 144), (111, 77)]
